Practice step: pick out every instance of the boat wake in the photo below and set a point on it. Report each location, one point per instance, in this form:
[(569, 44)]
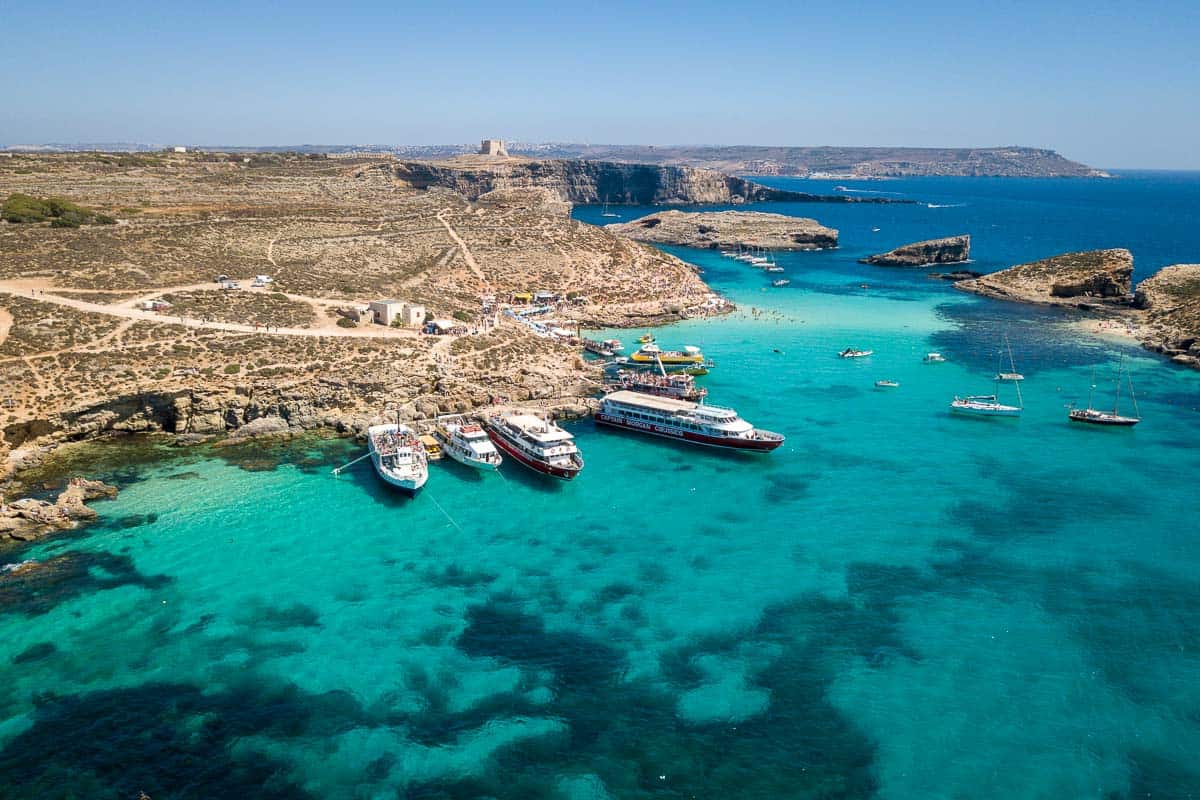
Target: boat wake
[(864, 191), (944, 205)]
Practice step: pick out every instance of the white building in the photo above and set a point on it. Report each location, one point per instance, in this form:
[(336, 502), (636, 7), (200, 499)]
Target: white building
[(385, 311), (413, 316), (179, 149)]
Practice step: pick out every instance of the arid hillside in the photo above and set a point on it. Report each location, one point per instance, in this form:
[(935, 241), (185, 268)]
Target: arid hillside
[(80, 352)]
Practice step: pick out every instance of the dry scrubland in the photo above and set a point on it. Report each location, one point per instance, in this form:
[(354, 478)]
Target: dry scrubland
[(330, 233)]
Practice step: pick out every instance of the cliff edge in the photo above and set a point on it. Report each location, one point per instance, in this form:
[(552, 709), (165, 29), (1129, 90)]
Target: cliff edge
[(593, 182)]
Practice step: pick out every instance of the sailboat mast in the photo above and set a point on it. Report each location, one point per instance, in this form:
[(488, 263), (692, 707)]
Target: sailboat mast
[(1117, 399)]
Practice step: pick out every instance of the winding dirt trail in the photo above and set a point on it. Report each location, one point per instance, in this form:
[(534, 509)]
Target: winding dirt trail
[(462, 246)]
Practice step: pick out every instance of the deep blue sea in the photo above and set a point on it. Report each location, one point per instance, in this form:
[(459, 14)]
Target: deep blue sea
[(896, 604)]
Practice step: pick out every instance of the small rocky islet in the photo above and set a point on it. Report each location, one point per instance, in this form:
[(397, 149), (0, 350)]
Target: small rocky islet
[(947, 250)]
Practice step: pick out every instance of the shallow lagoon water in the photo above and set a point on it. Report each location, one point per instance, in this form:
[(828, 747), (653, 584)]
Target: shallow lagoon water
[(896, 604)]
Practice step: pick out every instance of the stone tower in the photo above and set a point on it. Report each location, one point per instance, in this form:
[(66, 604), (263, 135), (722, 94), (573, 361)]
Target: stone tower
[(492, 147)]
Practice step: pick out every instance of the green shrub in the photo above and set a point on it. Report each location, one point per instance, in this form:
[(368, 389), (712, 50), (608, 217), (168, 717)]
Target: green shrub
[(346, 322), (463, 316), (233, 369), (62, 213)]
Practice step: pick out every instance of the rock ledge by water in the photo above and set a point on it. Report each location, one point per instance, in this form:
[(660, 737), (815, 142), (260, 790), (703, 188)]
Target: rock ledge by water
[(727, 229), (948, 250)]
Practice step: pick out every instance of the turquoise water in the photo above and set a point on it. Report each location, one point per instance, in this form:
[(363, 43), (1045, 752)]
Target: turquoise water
[(896, 604)]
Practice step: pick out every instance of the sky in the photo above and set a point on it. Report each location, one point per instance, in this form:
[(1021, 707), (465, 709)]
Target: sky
[(1115, 85)]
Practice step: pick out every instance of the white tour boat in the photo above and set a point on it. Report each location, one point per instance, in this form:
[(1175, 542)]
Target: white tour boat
[(934, 358), (398, 456), (850, 352), (684, 420), (536, 442), (467, 442)]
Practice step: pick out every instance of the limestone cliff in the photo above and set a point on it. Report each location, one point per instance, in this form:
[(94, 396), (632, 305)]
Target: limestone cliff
[(1077, 279), (714, 229), (1171, 301), (589, 182), (949, 250)]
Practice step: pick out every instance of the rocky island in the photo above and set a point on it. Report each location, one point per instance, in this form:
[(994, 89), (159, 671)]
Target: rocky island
[(949, 250), (1082, 279), (1168, 304), (1163, 312), (157, 322), (728, 229)]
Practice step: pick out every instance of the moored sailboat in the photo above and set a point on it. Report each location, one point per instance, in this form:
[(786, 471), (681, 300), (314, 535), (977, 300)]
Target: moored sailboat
[(1112, 418), (989, 405)]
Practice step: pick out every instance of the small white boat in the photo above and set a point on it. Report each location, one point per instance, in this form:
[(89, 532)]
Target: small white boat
[(774, 268), (934, 358), (780, 282), (398, 457), (850, 352), (467, 443), (887, 384), (614, 345)]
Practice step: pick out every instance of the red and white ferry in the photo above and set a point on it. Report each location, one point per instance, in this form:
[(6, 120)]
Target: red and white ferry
[(683, 419), (536, 442)]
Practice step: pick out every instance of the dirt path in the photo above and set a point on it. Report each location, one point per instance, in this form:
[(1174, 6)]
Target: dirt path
[(125, 310), (6, 321), (462, 246)]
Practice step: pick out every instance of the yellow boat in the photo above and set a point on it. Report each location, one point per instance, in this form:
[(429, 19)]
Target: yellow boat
[(651, 354), (646, 338), (433, 448)]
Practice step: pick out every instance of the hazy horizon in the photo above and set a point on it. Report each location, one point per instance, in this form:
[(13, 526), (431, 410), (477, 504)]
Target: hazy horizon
[(1112, 87)]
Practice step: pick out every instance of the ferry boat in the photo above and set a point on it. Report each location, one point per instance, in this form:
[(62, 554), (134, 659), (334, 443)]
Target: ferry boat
[(536, 442), (398, 457), (684, 420), (467, 443), (678, 385), (851, 352), (598, 348), (614, 345), (651, 354)]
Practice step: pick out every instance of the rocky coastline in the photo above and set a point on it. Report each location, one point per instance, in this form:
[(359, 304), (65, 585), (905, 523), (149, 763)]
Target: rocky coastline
[(582, 182), (1163, 312), (947, 250), (27, 519), (729, 229)]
